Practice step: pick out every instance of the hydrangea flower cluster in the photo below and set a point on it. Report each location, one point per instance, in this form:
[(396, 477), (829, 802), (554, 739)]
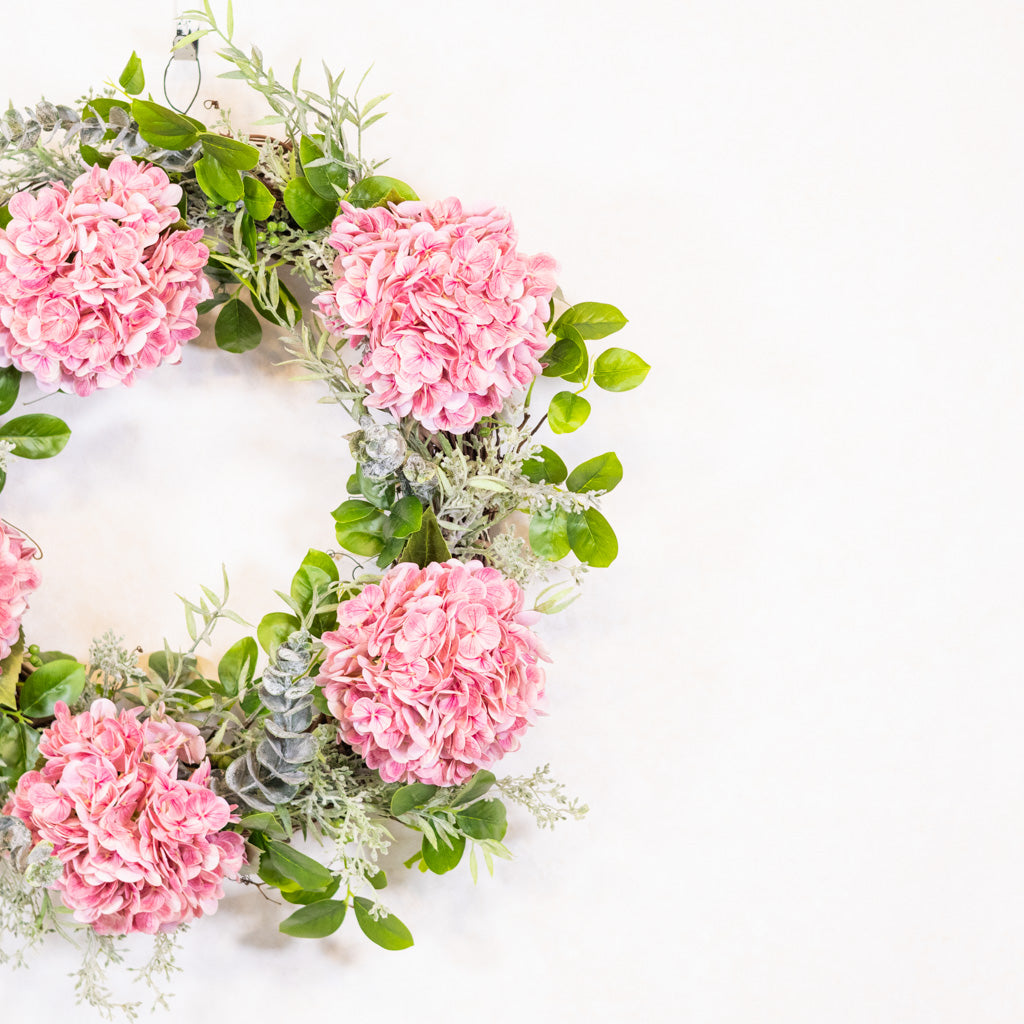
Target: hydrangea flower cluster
[(450, 314), (93, 285), (433, 673), (143, 851), (18, 575)]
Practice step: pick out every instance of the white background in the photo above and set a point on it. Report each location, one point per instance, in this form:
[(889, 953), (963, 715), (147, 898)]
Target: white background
[(794, 703)]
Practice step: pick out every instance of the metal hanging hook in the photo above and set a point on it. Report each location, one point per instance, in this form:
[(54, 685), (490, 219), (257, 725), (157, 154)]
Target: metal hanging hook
[(187, 54)]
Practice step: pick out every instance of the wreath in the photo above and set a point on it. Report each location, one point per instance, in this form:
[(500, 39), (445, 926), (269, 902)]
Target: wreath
[(376, 698)]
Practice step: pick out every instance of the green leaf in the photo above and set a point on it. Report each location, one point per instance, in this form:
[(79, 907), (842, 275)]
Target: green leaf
[(359, 527), (308, 580), (545, 465), (549, 535), (19, 748), (378, 190), (567, 357), (263, 821), (447, 855), (221, 183), (57, 680), (101, 106), (5, 216), (427, 544), (10, 382), (303, 872), (132, 80), (379, 879), (304, 897), (316, 921), (322, 561), (406, 516), (229, 152), (237, 329), (390, 552), (259, 200), (387, 931), (592, 538), (36, 436), (485, 819), (416, 794), (248, 230), (593, 320), (10, 669), (377, 492), (567, 412), (475, 788), (326, 174), (274, 629), (601, 473), (167, 666), (238, 666), (165, 128), (309, 210), (92, 156), (618, 369)]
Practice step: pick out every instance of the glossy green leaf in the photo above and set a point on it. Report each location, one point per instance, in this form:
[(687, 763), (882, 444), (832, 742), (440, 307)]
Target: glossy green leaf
[(601, 473), (378, 190), (259, 200), (165, 128), (274, 629), (19, 748), (303, 872), (237, 668), (57, 680), (229, 152), (305, 897), (593, 320), (10, 383), (447, 854), (264, 821), (359, 527), (379, 880), (132, 80), (309, 210), (475, 788), (10, 669), (486, 819), (36, 436), (592, 538), (237, 329), (549, 535), (406, 516), (567, 412), (567, 357), (5, 216), (327, 177), (416, 794), (387, 931), (221, 183), (316, 921), (545, 465), (618, 369), (427, 544)]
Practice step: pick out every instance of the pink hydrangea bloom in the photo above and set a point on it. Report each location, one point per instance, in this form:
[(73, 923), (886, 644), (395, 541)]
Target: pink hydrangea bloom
[(143, 850), (93, 285), (18, 575), (433, 673), (449, 316)]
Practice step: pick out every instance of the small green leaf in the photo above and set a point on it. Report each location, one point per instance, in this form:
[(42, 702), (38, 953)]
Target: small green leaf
[(94, 158), (316, 921), (618, 369), (36, 436), (229, 152), (592, 538), (406, 516), (10, 669), (601, 473), (57, 680), (486, 819), (303, 872), (379, 880), (101, 106), (545, 465), (309, 210), (387, 931), (427, 544), (237, 329), (567, 357), (263, 821), (165, 128), (549, 535), (274, 629), (221, 183), (593, 320), (10, 382), (359, 527), (567, 412), (304, 897), (238, 666), (475, 788), (447, 855), (19, 748), (5, 216), (132, 80), (259, 200), (378, 190), (416, 794), (326, 174), (322, 561)]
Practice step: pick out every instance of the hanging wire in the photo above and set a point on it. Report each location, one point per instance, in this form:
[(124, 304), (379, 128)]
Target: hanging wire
[(187, 54), (35, 543)]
